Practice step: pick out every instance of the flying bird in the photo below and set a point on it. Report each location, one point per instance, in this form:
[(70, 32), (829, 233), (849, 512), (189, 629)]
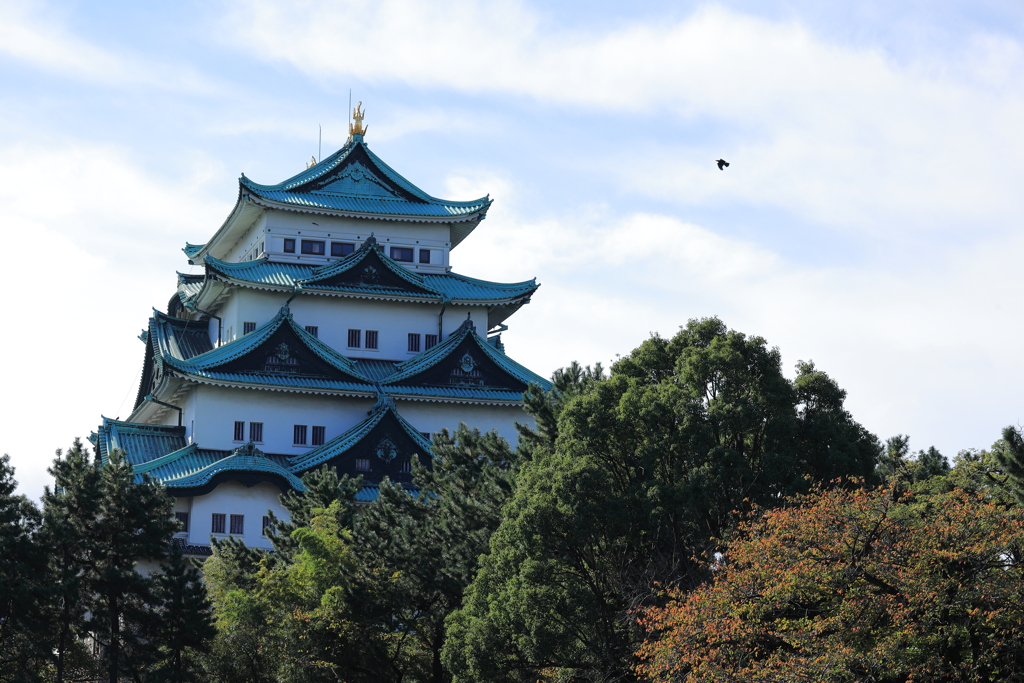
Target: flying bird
[(722, 163)]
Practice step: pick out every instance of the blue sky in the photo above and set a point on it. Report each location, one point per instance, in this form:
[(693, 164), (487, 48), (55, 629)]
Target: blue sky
[(870, 220)]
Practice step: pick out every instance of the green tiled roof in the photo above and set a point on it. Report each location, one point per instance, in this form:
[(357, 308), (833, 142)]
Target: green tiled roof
[(340, 444), (432, 286), (210, 360), (442, 351), (355, 180), (140, 442), (245, 459)]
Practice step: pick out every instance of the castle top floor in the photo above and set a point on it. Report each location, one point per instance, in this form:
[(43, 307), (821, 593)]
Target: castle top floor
[(325, 212)]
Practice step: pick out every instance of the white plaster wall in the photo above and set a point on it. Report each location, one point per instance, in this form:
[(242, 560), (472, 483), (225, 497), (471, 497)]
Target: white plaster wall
[(275, 225), (217, 409), (248, 241), (334, 316), (431, 417), (232, 498)]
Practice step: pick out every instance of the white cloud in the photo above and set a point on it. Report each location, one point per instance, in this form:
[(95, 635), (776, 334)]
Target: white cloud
[(913, 346), (93, 242), (841, 136), (35, 34)]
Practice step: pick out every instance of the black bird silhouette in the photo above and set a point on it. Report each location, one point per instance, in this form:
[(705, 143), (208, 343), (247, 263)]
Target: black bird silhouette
[(722, 163)]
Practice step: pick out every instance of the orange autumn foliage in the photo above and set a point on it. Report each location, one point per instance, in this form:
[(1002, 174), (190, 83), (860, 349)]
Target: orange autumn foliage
[(853, 585)]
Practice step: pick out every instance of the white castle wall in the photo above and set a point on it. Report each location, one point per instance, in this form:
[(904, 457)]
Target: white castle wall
[(215, 410), (334, 316), (274, 225), (432, 417), (232, 498)]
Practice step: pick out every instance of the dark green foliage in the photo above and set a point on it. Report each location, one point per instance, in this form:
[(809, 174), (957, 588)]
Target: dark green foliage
[(1011, 459), (24, 634), (323, 487), (134, 525), (70, 512), (432, 542), (629, 478), (185, 628)]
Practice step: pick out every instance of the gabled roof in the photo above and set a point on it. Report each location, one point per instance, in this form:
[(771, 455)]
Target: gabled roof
[(280, 347), (383, 422), (347, 277), (368, 269), (356, 181), (463, 361)]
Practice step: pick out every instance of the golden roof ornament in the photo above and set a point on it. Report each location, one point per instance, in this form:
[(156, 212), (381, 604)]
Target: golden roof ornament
[(357, 127), (312, 162)]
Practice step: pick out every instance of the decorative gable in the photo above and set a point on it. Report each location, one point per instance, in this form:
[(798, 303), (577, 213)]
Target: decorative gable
[(465, 366), (283, 353), (359, 181), (369, 268)]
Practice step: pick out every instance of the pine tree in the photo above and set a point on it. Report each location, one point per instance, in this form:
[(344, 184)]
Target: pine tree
[(23, 634), (1011, 459), (134, 526), (186, 624), (69, 517)]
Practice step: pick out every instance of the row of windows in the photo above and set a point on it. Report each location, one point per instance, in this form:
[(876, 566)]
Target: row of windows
[(319, 248), (219, 520), (300, 432), (429, 341), (356, 339), (363, 465), (255, 431)]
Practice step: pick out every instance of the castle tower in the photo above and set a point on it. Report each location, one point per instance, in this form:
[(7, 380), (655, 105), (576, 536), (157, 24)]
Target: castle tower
[(327, 328)]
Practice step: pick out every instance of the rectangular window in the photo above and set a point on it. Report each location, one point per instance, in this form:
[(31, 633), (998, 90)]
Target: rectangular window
[(318, 435), (182, 518), (217, 524), (248, 327), (299, 438), (414, 343), (342, 248), (354, 337), (289, 246), (239, 431), (424, 256), (256, 432), (401, 254), (429, 341), (363, 464), (261, 249), (238, 524), (407, 466), (268, 528), (371, 339), (313, 330), (314, 247)]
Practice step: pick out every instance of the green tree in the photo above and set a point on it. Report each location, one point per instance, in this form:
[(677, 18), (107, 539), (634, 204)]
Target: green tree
[(628, 478), (431, 543), (134, 525), (1011, 458), (185, 628), (24, 636), (70, 512)]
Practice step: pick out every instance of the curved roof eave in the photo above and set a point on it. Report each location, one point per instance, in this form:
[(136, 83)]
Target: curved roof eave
[(242, 216), (475, 216)]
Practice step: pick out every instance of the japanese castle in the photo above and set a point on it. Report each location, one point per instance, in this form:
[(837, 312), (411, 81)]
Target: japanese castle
[(326, 328)]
